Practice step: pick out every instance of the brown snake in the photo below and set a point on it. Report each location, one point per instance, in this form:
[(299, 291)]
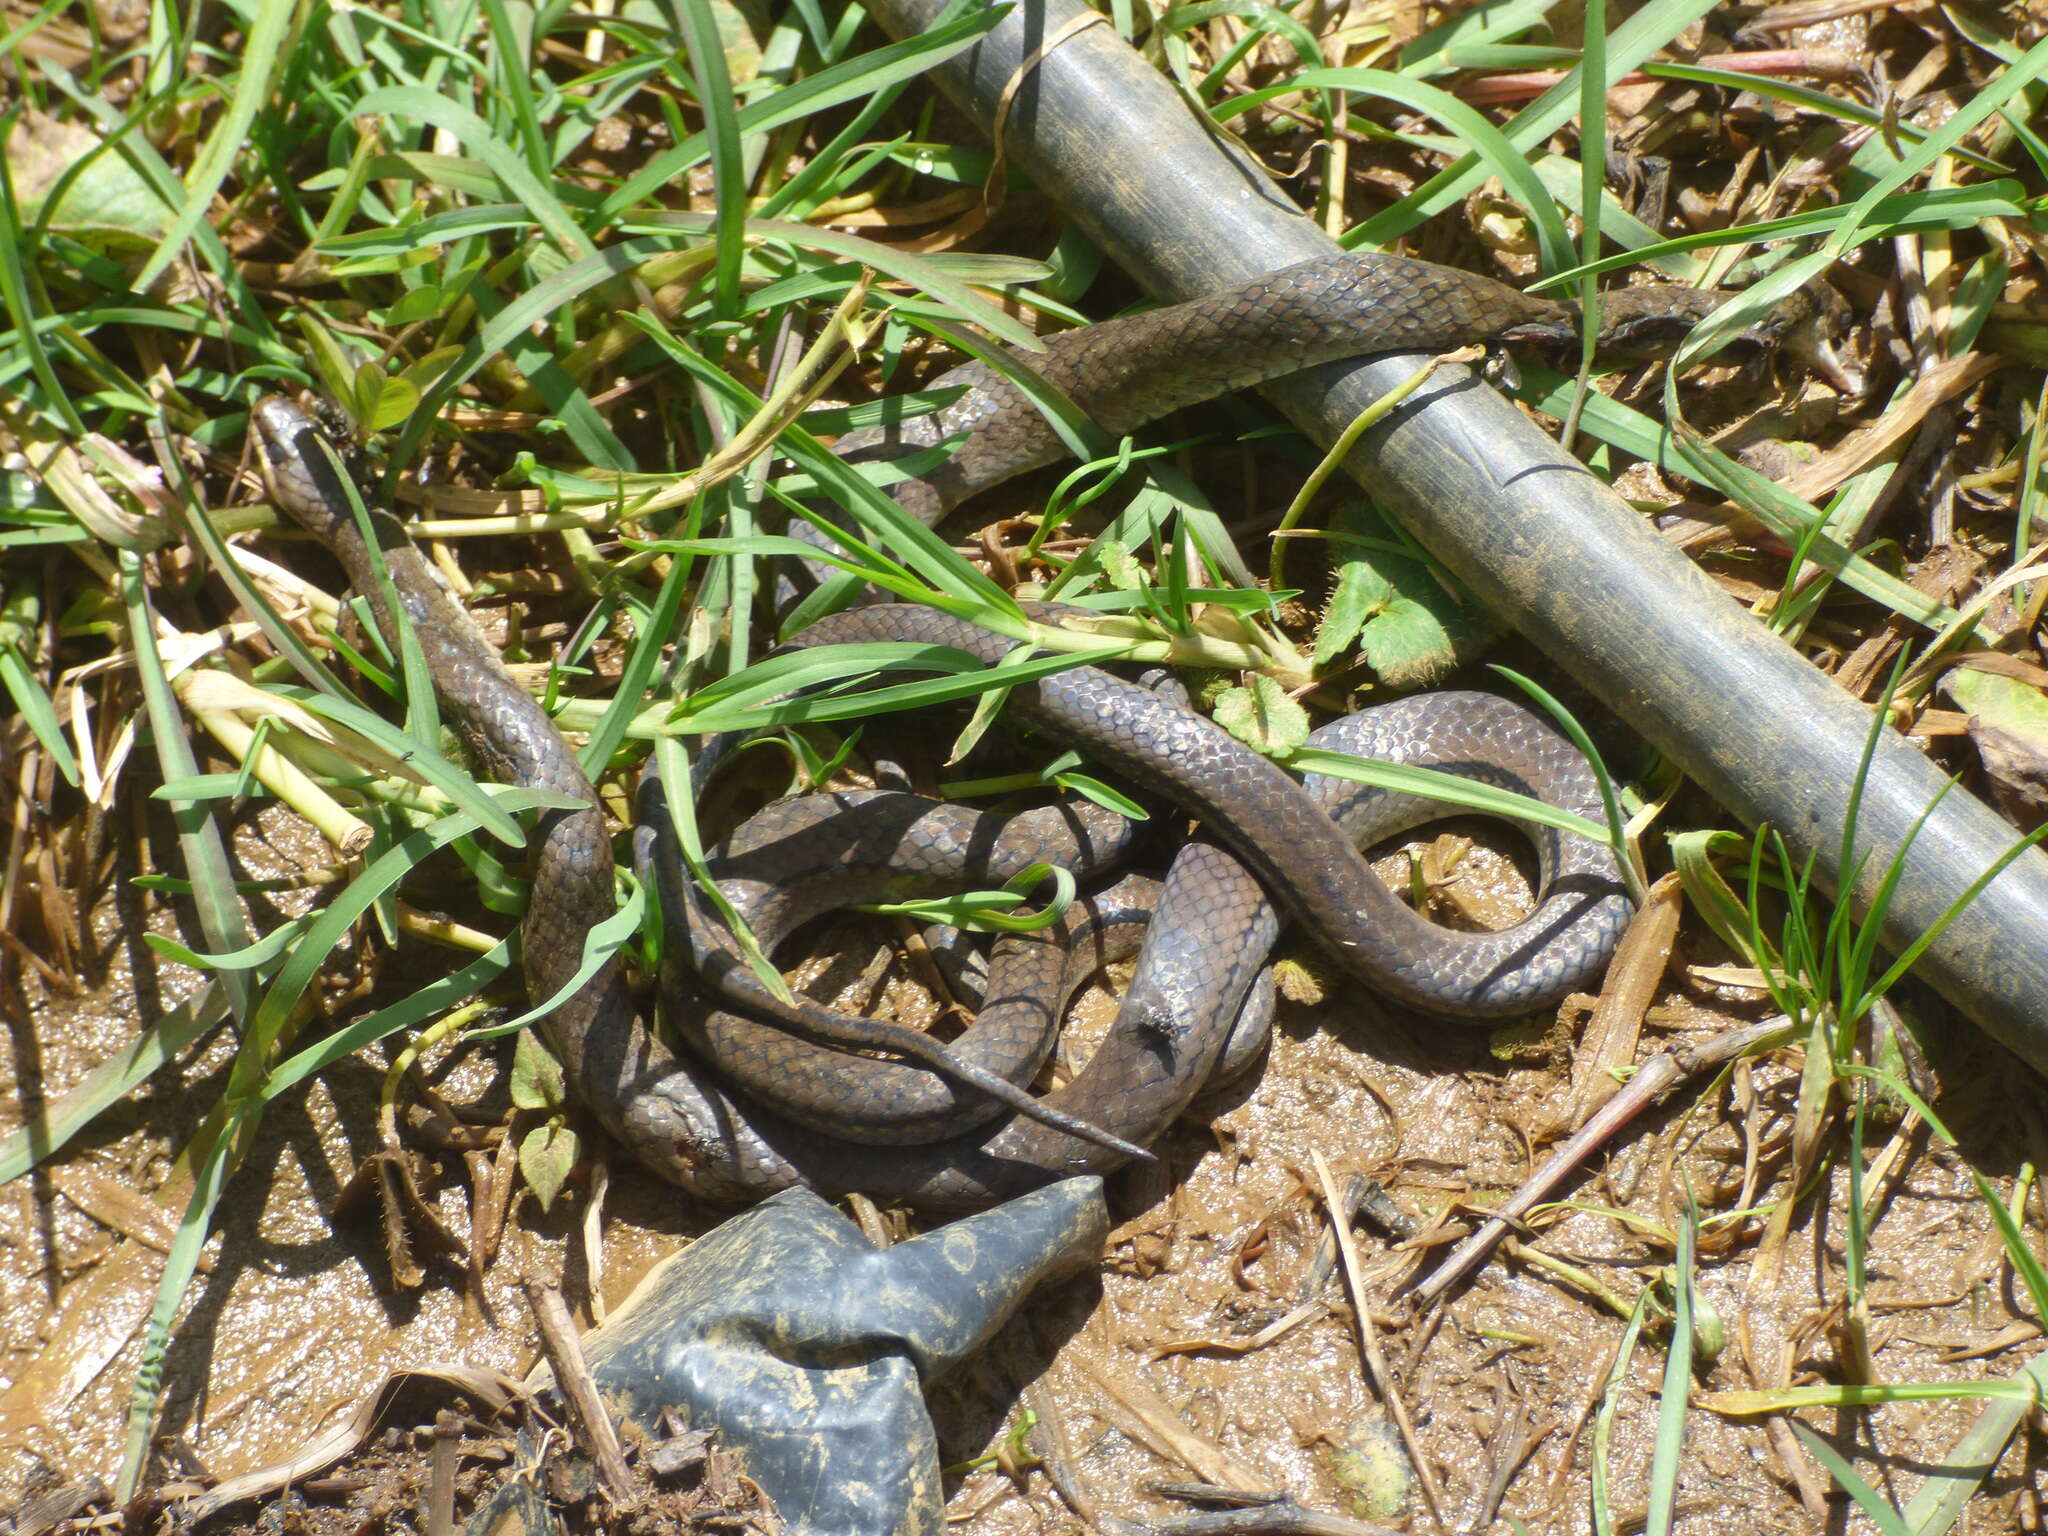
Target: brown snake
[(672, 1114)]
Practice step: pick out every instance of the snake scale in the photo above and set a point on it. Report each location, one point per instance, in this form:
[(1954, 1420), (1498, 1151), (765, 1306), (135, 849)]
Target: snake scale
[(808, 1112)]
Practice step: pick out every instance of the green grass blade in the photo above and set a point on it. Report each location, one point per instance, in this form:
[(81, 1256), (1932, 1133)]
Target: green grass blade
[(1668, 1458), (2018, 1252), (1490, 146), (14, 291), (510, 71), (1777, 509), (296, 976), (221, 918), (939, 278), (1648, 29), (706, 52), (1881, 1511), (966, 678), (436, 997), (1610, 802), (260, 54), (850, 81), (1989, 98), (229, 570), (1604, 1522), (1954, 1480), (527, 189), (37, 709), (180, 1264), (1433, 784)]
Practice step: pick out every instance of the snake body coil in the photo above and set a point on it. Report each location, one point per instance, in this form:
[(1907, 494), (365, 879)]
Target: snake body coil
[(1215, 920)]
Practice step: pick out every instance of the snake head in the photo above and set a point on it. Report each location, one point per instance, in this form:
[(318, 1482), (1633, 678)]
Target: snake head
[(1813, 334)]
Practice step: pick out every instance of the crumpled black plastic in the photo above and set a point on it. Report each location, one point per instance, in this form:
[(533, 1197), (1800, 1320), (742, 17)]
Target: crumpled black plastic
[(806, 1347)]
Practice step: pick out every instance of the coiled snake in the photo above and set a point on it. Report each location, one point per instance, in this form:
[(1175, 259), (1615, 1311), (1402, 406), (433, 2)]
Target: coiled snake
[(1266, 835)]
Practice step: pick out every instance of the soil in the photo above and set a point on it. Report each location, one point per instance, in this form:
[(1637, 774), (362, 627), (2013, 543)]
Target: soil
[(296, 1323), (1217, 1342)]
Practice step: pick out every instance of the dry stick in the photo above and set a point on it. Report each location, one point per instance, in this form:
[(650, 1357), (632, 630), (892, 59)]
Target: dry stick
[(1356, 1186), (587, 1416), (1359, 1192), (1577, 1426), (441, 1477), (1194, 1343), (1056, 1455), (1504, 1464), (1150, 1420), (1865, 446), (1813, 1489), (1658, 1076), (1512, 1463), (494, 1177), (593, 1235), (1419, 1340), (1612, 1031), (1369, 1343)]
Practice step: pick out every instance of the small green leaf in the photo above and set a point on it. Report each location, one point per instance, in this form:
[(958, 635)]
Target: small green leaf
[(1003, 911), (250, 957), (2009, 725), (1883, 1514), (1413, 643), (1693, 855), (423, 373), (1360, 593), (422, 303), (108, 199), (1110, 799), (1709, 1332), (1263, 717), (331, 364), (199, 786), (2000, 701), (536, 1075), (1119, 565), (546, 1154), (1410, 626), (382, 401), (36, 707)]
